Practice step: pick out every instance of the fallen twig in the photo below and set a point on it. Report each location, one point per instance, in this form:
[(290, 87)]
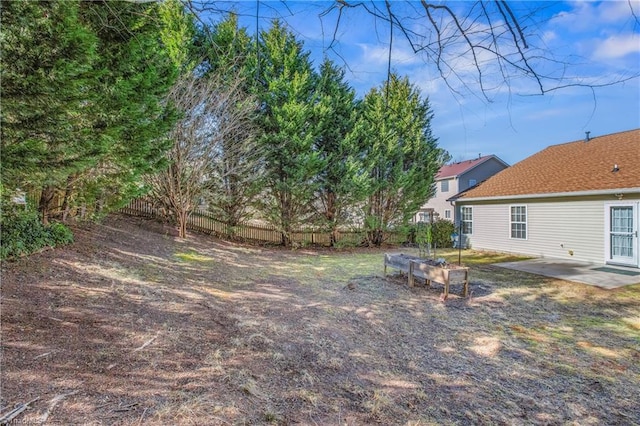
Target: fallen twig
[(53, 403), (6, 418), (42, 356), (143, 413), (126, 407), (147, 343)]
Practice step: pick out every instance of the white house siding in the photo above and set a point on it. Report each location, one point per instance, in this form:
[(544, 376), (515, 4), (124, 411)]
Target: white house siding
[(479, 173), (563, 228), (439, 201)]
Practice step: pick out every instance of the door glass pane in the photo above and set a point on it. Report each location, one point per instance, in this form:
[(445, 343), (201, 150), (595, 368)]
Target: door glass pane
[(621, 245), (621, 219), (622, 231)]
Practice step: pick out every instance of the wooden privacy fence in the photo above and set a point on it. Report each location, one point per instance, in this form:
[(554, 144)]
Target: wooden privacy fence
[(203, 221)]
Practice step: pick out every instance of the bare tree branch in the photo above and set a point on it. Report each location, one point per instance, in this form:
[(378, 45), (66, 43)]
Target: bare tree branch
[(477, 48), (216, 123)]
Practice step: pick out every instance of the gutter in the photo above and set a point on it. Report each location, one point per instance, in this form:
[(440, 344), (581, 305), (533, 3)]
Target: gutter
[(551, 195)]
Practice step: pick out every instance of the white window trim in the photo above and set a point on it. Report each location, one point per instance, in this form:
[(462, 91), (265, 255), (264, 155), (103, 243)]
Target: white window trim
[(526, 222), (462, 219), (447, 214), (448, 185)]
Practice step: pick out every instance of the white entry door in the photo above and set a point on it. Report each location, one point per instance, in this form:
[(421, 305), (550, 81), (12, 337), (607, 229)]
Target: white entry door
[(622, 233)]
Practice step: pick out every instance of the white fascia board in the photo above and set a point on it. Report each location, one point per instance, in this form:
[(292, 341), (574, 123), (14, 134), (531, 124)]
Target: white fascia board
[(556, 194)]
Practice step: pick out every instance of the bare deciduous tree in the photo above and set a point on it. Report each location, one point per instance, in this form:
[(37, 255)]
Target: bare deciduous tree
[(215, 123)]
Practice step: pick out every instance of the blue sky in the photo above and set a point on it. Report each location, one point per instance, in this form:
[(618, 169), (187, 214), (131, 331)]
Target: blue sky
[(591, 43)]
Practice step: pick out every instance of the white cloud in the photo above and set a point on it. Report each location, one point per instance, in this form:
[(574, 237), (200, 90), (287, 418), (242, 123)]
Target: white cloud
[(380, 55), (587, 15), (548, 36), (617, 11), (617, 47)]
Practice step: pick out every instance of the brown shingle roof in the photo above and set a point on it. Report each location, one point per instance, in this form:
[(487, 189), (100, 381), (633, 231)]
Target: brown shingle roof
[(570, 167)]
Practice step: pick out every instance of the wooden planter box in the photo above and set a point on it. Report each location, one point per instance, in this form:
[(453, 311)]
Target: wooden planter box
[(415, 266)]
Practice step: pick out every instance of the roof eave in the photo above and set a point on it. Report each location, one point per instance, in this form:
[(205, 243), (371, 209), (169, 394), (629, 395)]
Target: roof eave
[(487, 158), (484, 160), (553, 194)]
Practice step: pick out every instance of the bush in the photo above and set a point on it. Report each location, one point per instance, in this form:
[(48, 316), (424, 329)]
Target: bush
[(22, 232), (60, 234), (441, 231)]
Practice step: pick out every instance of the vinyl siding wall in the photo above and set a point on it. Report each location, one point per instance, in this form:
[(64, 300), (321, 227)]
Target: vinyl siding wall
[(565, 228), (439, 202), (480, 173)]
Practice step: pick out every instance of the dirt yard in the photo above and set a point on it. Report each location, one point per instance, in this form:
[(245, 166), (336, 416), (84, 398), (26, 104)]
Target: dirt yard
[(131, 326)]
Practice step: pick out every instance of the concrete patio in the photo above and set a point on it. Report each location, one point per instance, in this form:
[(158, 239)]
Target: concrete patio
[(604, 276)]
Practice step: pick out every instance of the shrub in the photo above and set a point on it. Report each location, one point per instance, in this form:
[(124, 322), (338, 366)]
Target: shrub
[(23, 233), (423, 238), (441, 231), (60, 234)]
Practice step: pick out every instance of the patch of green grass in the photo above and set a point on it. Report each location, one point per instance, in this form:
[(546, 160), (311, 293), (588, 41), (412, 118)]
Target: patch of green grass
[(339, 267), (193, 256), (343, 267), (474, 257)]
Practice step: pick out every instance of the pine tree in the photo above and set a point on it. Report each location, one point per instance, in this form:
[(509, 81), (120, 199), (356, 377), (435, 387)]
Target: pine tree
[(400, 153), (82, 99), (226, 49), (285, 90), (133, 73), (340, 181), (48, 57)]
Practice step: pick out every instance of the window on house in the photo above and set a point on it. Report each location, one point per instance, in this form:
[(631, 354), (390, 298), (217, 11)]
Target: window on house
[(519, 222), (447, 214), (444, 186), (466, 217), (472, 182)]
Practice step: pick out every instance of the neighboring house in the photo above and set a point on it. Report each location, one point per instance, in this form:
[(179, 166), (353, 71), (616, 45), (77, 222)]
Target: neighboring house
[(454, 178), (578, 200)]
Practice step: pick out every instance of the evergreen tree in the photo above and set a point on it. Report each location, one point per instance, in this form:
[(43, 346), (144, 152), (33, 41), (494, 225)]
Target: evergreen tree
[(133, 73), (340, 181), (400, 154), (48, 57), (285, 90), (225, 49), (82, 99), (178, 32)]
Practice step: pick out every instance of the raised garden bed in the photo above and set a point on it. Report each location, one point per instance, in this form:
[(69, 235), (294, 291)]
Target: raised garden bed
[(429, 270)]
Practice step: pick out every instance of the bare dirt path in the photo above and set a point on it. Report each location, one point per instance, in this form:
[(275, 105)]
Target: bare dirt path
[(130, 325)]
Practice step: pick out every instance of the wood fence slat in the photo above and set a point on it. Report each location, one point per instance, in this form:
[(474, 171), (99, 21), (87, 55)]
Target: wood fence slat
[(203, 221)]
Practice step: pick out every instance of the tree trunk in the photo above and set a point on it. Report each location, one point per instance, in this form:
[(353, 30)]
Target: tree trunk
[(286, 240), (376, 236), (331, 217), (334, 236), (182, 223), (67, 195), (44, 205)]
